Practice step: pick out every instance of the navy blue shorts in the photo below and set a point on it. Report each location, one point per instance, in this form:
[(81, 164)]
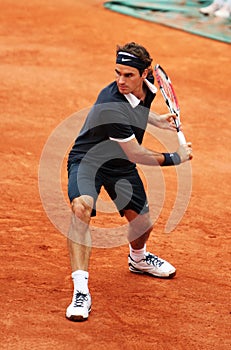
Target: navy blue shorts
[(126, 190)]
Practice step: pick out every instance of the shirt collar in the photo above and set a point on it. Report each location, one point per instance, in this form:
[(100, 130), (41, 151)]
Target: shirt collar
[(133, 100)]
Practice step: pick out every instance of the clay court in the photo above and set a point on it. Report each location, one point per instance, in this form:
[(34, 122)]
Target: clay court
[(55, 58)]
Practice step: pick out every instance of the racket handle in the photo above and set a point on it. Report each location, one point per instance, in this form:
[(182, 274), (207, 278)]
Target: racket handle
[(181, 138)]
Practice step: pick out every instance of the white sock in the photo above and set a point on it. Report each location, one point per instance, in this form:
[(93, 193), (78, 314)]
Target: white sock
[(137, 254), (80, 280)]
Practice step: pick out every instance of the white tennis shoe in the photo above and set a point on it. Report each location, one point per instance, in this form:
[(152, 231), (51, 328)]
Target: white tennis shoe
[(152, 265), (211, 9), (80, 307), (224, 11)]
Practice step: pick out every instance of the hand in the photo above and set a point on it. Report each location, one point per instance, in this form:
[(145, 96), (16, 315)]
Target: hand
[(163, 121), (185, 152)]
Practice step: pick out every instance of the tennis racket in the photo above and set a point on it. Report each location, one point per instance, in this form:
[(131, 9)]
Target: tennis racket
[(170, 98)]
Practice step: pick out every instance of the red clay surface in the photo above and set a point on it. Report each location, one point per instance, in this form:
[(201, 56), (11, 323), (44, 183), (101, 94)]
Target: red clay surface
[(55, 57)]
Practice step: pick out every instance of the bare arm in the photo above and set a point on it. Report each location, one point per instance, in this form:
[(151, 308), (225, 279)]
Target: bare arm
[(139, 154), (162, 121)]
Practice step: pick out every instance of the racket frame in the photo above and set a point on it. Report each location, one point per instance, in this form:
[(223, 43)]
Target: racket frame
[(173, 104)]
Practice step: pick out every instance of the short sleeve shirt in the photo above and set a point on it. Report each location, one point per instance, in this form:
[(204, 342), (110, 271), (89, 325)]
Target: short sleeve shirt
[(111, 120)]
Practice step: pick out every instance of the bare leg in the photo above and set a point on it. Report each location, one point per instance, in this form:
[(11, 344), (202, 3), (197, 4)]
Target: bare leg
[(79, 237), (139, 229), (79, 246)]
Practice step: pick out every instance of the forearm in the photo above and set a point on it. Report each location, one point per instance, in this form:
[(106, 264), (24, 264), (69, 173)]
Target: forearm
[(162, 121), (154, 118), (148, 157), (138, 154), (144, 156)]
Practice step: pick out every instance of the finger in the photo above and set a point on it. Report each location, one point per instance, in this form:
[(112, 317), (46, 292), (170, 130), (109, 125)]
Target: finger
[(190, 155), (173, 115), (170, 116), (172, 126)]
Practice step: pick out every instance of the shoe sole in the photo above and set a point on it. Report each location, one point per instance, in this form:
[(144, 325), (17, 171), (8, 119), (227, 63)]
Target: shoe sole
[(134, 270), (78, 318)]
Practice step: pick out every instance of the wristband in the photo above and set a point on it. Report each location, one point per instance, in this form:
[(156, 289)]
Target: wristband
[(171, 159)]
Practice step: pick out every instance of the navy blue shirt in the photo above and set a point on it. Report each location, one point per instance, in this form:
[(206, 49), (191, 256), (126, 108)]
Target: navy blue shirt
[(111, 120)]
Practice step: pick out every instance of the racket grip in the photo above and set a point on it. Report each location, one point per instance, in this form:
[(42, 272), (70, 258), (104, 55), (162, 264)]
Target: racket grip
[(181, 138)]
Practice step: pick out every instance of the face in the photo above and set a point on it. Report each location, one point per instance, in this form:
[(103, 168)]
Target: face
[(128, 79)]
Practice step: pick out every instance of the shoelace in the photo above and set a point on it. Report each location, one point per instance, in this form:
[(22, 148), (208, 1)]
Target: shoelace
[(79, 299), (154, 260)]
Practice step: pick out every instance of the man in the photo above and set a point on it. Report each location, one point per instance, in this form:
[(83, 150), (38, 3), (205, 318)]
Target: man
[(105, 153)]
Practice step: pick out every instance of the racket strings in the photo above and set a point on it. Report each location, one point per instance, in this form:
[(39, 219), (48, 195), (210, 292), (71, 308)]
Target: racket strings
[(170, 98), (168, 90)]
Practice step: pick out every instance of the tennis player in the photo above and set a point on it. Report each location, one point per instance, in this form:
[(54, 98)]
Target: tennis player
[(105, 154)]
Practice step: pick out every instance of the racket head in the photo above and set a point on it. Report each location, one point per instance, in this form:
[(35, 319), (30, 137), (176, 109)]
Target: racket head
[(167, 90)]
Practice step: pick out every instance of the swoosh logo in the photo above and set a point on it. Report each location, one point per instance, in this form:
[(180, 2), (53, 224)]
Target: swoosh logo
[(125, 59)]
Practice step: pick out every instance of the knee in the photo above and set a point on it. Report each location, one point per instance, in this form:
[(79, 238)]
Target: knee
[(82, 207)]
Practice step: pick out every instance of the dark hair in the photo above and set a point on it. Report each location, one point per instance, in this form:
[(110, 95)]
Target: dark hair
[(138, 51)]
